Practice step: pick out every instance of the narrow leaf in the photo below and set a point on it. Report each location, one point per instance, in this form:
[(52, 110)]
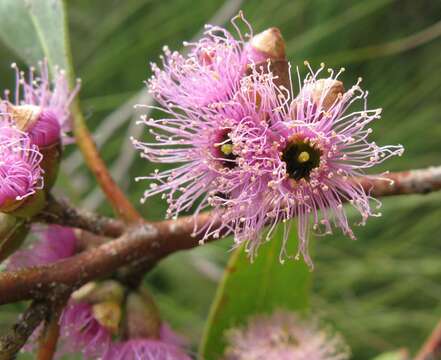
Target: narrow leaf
[(253, 288)]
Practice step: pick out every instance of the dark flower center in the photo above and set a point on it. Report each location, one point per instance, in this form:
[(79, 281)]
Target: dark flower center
[(226, 151), (300, 158)]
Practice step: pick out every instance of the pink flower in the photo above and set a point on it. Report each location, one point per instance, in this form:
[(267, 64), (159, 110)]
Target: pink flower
[(210, 73), (20, 173), (40, 106), (81, 332), (55, 243), (197, 96), (303, 158), (145, 349), (283, 336)]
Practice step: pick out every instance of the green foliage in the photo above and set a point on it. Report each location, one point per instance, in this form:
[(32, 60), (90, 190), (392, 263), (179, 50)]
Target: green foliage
[(395, 355), (35, 30), (247, 289)]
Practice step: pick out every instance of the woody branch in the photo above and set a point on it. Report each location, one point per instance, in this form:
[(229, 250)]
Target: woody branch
[(150, 242)]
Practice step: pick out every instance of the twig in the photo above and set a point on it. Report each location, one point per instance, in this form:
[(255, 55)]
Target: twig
[(149, 243), (421, 181), (121, 205), (61, 213), (15, 339), (49, 337), (431, 350)]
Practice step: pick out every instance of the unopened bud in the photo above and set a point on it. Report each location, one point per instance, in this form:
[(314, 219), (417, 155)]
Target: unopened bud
[(266, 53), (268, 44), (325, 92), (142, 319), (279, 69), (98, 292), (41, 124), (108, 314)]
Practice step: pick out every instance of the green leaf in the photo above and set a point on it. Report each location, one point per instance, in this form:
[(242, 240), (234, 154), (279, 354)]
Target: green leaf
[(253, 288), (394, 355), (36, 29)]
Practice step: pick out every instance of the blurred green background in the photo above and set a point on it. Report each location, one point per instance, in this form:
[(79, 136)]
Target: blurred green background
[(382, 291)]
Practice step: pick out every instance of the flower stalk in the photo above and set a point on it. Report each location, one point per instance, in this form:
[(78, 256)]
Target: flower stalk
[(121, 205)]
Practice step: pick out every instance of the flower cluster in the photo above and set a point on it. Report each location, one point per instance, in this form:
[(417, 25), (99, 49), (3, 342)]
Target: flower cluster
[(90, 323), (283, 336), (252, 150)]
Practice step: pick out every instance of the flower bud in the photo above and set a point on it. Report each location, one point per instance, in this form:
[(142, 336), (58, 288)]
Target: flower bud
[(106, 298), (266, 53), (268, 44), (142, 319), (108, 314), (98, 292), (13, 231), (41, 124), (324, 92)]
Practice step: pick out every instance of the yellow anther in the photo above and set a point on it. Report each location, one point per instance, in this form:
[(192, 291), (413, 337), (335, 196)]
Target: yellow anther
[(303, 157), (227, 149)]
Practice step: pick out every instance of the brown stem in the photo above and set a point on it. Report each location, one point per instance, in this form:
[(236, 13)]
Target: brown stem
[(14, 340), (121, 205), (431, 349), (149, 243), (48, 343), (62, 213), (49, 338), (420, 181)]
